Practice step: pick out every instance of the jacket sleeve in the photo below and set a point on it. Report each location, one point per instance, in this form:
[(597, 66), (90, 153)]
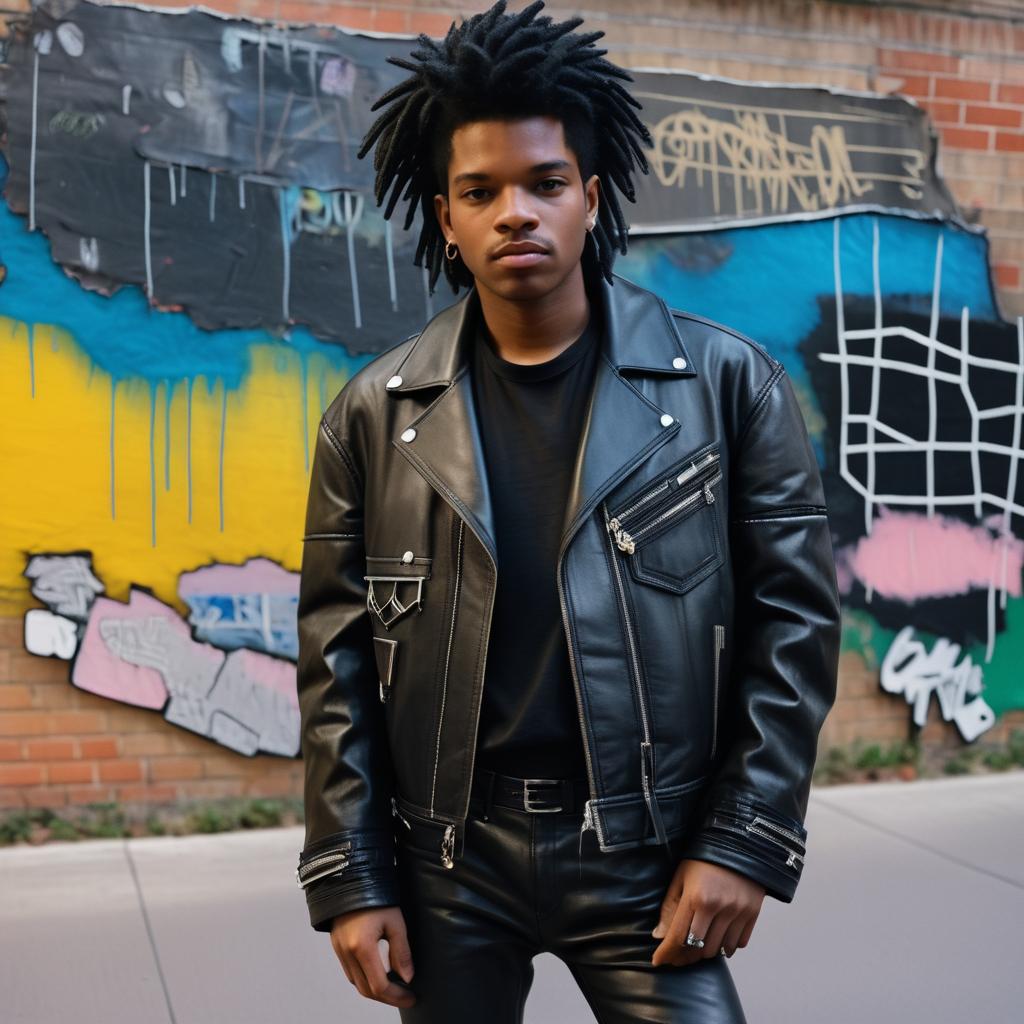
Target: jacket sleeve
[(783, 675), (347, 862)]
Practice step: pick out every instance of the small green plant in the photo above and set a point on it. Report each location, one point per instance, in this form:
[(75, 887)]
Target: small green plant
[(155, 827), (870, 757), (959, 764), (1015, 746), (108, 821), (260, 814), (212, 819), (62, 829), (16, 827), (998, 760), (833, 766)]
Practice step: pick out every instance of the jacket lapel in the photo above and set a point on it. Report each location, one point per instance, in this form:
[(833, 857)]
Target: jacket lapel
[(621, 428)]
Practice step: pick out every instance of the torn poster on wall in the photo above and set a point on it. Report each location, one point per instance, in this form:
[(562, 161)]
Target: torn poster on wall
[(211, 161), (729, 152)]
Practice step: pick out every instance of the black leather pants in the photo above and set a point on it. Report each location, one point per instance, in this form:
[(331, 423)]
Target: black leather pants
[(526, 885)]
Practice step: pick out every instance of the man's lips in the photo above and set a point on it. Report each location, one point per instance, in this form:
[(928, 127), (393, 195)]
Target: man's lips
[(520, 255)]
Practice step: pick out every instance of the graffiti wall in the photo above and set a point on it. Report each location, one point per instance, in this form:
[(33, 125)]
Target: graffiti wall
[(912, 387), (192, 266)]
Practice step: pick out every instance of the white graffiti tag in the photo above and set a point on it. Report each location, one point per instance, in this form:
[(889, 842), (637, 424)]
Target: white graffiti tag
[(909, 668)]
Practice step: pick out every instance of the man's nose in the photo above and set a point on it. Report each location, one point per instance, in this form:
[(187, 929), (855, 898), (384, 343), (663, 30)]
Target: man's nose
[(515, 210)]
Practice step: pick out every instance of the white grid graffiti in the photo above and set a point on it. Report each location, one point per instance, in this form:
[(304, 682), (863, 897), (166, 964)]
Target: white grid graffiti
[(882, 439)]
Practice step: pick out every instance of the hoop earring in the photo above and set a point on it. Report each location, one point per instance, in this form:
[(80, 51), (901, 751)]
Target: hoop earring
[(450, 255)]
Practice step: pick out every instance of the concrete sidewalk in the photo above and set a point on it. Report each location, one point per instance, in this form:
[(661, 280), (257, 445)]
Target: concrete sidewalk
[(908, 911)]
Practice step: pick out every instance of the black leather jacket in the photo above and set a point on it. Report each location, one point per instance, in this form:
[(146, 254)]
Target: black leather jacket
[(697, 590)]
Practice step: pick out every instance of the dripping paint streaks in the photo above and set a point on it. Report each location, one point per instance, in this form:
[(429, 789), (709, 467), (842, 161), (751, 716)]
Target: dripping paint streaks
[(353, 205), (223, 430), (113, 407), (282, 200), (152, 463), (304, 384), (168, 392), (32, 357), (389, 247), (188, 441), (32, 154), (145, 228)]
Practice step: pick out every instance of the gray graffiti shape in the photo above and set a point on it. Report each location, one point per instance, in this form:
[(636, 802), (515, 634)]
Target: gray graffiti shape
[(64, 583), (187, 668), (242, 698), (210, 694)]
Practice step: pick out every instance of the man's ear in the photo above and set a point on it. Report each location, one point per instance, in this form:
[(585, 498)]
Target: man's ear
[(443, 214), (592, 191)]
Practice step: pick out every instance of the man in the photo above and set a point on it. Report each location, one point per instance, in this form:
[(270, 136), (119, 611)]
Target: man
[(608, 510)]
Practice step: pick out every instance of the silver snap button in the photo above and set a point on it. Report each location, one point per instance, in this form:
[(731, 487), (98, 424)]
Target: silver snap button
[(667, 420), (408, 435), (679, 363), (407, 557), (394, 381)]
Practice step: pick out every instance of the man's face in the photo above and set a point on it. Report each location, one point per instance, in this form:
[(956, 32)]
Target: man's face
[(516, 185)]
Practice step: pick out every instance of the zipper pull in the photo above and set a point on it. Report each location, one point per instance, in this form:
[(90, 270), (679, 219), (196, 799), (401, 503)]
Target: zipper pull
[(708, 496), (396, 813), (588, 817), (448, 846), (623, 541)]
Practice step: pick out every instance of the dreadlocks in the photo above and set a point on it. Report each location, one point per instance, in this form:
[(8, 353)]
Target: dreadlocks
[(505, 66)]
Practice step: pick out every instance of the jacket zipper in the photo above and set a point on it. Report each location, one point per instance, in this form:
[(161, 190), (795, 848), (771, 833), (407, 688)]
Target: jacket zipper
[(696, 467), (793, 855), (627, 542), (719, 645), (788, 833), (591, 820), (447, 662), (337, 861), (448, 839), (398, 814), (646, 751), (691, 471)]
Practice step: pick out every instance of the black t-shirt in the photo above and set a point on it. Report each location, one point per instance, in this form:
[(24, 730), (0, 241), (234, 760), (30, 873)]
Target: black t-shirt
[(530, 418)]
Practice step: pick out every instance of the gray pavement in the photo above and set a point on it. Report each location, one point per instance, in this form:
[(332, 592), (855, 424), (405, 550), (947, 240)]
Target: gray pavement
[(909, 910)]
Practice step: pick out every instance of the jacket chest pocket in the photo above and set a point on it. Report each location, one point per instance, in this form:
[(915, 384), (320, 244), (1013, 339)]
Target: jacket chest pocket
[(395, 590), (668, 532)]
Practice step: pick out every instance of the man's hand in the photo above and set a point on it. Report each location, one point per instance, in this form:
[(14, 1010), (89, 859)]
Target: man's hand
[(355, 936), (716, 904)]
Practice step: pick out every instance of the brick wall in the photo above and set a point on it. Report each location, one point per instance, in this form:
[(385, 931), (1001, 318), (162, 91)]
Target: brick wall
[(961, 61), (61, 746)]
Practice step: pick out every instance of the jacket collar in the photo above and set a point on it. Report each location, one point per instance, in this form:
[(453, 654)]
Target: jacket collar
[(622, 426), (640, 335)]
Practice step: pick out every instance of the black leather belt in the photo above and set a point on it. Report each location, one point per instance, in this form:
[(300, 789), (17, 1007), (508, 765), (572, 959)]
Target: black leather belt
[(537, 796)]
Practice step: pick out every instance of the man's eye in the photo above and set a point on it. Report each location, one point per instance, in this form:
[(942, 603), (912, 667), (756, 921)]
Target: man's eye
[(557, 182), (469, 193)]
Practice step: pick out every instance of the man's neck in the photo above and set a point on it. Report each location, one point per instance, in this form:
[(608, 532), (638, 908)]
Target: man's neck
[(537, 330)]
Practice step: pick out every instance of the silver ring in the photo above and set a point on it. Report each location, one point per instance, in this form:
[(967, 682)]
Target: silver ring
[(722, 950), (692, 940)]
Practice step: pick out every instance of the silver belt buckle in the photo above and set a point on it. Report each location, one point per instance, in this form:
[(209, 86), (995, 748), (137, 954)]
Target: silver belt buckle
[(527, 806)]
